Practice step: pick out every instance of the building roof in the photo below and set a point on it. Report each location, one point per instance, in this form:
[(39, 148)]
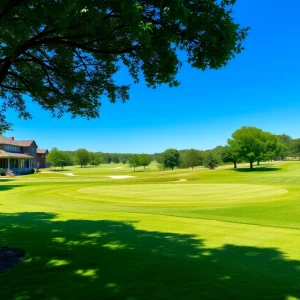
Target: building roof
[(13, 142), (4, 154), (25, 143), (7, 141), (41, 151)]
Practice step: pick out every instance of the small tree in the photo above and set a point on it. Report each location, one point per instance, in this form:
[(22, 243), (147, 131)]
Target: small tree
[(59, 158), (65, 159), (211, 161), (134, 161), (124, 160), (52, 157), (145, 160), (192, 158), (96, 159), (82, 157), (170, 158)]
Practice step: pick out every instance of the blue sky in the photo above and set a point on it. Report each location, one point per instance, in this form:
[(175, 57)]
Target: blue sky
[(260, 87)]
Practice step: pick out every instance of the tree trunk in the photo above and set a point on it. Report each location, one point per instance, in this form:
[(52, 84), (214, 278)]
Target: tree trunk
[(251, 165), (144, 167), (234, 164), (258, 163)]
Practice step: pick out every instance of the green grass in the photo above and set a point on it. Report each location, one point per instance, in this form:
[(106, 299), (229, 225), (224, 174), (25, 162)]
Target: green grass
[(222, 234)]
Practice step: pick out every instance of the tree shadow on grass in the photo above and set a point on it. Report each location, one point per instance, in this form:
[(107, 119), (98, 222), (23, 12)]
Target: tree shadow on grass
[(257, 169), (8, 187), (81, 259), (4, 179)]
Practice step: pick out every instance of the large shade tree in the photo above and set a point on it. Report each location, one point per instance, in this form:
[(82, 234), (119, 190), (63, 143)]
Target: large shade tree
[(248, 141), (252, 144), (65, 54)]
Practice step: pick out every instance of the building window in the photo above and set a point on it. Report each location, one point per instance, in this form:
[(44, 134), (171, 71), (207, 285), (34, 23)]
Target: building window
[(11, 148)]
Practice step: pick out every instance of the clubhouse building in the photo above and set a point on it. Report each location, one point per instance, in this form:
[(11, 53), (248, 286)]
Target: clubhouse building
[(21, 156)]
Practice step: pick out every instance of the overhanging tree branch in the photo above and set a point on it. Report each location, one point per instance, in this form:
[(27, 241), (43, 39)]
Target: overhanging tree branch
[(13, 88), (66, 53)]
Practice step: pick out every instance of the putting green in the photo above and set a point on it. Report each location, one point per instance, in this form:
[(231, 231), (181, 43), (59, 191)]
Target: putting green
[(182, 194)]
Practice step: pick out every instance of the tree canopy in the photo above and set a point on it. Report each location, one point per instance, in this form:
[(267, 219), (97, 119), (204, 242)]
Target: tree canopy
[(96, 159), (145, 160), (192, 158), (295, 147), (170, 158), (82, 157), (230, 154), (253, 144), (59, 158), (273, 147), (134, 161), (65, 54), (287, 145), (211, 160)]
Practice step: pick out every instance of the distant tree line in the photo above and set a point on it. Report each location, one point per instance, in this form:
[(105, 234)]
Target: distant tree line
[(82, 157), (115, 157), (247, 144)]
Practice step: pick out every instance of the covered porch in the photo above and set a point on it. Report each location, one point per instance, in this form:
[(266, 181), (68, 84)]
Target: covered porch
[(18, 163)]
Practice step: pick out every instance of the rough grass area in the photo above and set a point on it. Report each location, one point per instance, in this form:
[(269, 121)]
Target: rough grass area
[(222, 234)]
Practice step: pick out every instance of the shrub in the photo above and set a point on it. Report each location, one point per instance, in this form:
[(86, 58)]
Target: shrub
[(211, 161)]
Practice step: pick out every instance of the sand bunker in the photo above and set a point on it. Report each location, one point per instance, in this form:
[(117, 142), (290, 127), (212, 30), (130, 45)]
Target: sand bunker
[(69, 174), (120, 176), (180, 180), (117, 168)]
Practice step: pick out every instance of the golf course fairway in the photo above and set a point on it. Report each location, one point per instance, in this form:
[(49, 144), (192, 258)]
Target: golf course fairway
[(181, 234)]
